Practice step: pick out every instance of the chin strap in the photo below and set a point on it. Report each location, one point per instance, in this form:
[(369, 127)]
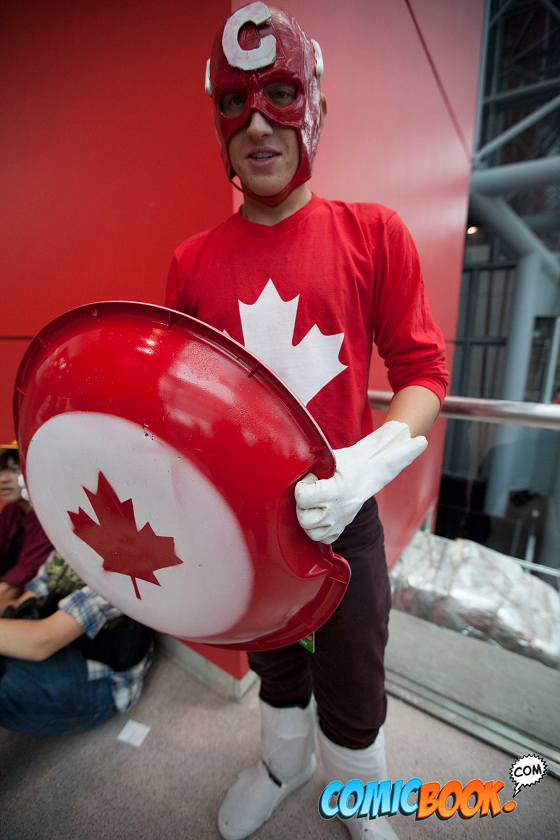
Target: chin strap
[(274, 200)]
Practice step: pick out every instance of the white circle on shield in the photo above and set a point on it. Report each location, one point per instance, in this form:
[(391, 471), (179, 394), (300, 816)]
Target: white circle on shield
[(140, 523)]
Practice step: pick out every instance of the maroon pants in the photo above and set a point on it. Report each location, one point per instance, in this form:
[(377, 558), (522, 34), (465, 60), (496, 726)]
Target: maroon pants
[(345, 673)]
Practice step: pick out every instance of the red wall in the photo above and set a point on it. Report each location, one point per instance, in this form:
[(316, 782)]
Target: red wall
[(107, 156)]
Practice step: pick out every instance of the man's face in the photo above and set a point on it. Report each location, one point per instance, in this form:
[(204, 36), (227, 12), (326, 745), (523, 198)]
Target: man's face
[(264, 155), (10, 491), (257, 55)]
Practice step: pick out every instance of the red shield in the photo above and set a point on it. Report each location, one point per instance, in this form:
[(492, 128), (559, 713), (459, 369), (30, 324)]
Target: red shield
[(161, 459)]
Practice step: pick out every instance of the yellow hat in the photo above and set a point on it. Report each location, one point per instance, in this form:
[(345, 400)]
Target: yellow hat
[(6, 446)]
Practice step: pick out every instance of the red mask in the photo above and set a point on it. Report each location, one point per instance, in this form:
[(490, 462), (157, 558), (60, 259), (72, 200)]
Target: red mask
[(257, 46)]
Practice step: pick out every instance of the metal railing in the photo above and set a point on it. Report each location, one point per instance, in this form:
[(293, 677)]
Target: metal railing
[(440, 697), (538, 415)]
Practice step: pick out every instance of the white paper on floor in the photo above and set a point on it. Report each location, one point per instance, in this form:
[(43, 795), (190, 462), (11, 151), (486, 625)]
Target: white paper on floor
[(133, 733)]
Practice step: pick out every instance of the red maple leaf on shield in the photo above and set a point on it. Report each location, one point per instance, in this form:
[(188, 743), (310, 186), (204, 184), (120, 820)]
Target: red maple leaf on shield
[(116, 539)]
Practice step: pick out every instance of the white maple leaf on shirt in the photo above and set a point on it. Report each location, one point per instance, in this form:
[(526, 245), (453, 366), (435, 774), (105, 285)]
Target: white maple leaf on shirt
[(268, 330)]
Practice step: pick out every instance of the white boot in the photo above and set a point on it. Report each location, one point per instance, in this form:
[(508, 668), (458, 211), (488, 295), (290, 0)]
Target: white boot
[(369, 765), (288, 737)]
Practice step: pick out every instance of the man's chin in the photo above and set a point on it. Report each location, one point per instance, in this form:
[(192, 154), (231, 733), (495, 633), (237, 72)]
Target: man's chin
[(259, 191)]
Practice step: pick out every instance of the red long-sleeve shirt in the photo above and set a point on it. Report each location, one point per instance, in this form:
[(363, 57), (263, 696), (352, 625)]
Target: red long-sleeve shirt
[(309, 296)]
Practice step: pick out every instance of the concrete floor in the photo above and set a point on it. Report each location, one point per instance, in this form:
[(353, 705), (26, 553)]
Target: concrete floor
[(509, 699), (91, 786)]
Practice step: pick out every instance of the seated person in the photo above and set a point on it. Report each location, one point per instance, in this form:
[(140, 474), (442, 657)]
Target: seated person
[(24, 546), (73, 662)]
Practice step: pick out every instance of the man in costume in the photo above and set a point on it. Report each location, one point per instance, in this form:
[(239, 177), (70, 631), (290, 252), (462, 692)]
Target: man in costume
[(308, 285)]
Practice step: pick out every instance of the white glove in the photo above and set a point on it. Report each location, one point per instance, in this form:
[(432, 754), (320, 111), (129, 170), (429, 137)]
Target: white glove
[(325, 507)]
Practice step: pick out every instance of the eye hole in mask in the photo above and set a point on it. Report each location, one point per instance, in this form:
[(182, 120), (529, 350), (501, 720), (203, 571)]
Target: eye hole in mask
[(279, 94)]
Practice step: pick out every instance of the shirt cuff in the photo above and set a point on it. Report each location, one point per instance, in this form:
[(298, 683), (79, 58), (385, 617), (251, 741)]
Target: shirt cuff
[(89, 609), (38, 586)]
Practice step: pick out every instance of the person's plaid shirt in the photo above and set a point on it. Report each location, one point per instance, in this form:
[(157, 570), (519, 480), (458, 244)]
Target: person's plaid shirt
[(92, 611)]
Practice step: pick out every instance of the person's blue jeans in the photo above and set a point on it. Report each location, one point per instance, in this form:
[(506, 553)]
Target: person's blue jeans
[(54, 696)]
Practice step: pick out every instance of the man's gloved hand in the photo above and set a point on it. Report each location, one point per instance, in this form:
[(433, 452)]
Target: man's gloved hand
[(325, 507)]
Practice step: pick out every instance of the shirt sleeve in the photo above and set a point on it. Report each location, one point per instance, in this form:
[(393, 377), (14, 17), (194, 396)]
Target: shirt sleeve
[(182, 265), (89, 609), (35, 550), (410, 343), (10, 518), (175, 283), (39, 585), (172, 299)]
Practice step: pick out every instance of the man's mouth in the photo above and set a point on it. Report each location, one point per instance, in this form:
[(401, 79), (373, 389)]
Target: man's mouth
[(262, 155)]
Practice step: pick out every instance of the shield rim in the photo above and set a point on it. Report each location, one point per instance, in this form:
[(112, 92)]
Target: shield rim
[(335, 581)]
